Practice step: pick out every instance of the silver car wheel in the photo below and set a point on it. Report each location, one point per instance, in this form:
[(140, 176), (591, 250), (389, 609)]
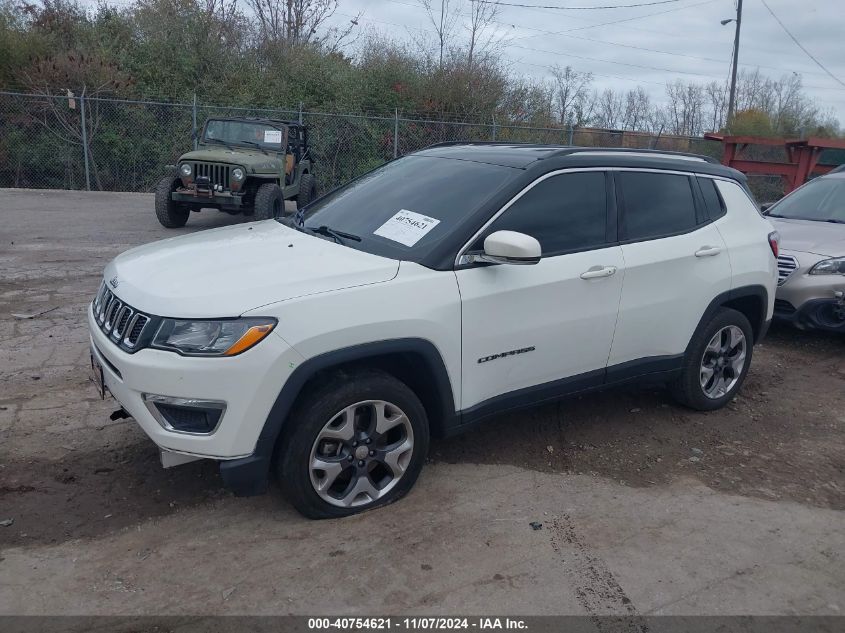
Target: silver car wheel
[(723, 362), (361, 453)]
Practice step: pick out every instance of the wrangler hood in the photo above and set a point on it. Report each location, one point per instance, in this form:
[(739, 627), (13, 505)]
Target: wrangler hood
[(228, 271), (254, 160)]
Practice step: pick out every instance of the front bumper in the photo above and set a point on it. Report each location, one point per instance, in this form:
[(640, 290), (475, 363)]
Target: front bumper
[(222, 199), (811, 301), (248, 384)]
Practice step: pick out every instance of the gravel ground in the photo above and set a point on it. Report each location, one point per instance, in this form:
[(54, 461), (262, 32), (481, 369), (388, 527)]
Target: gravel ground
[(765, 472)]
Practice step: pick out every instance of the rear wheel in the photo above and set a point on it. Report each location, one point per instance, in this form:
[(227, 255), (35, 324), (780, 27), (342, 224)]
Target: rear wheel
[(172, 215), (359, 442), (307, 190), (269, 202), (716, 363)]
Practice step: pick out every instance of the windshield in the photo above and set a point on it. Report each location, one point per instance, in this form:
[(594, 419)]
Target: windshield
[(822, 200), (407, 207), (248, 133)]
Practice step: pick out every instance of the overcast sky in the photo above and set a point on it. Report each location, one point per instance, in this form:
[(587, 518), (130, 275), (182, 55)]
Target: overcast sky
[(685, 39)]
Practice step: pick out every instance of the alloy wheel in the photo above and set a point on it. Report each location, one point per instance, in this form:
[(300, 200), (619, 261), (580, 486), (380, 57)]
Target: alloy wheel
[(361, 453), (723, 362)]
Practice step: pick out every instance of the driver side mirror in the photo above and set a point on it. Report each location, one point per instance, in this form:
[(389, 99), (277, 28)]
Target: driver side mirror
[(510, 247)]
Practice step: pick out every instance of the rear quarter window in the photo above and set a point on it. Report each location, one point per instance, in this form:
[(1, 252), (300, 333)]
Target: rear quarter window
[(713, 200)]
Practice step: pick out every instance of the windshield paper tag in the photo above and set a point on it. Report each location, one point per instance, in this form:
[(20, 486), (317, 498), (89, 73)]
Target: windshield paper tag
[(272, 136), (406, 227)]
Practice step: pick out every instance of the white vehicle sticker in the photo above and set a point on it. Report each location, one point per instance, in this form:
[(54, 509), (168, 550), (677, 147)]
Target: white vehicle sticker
[(272, 136), (406, 227)]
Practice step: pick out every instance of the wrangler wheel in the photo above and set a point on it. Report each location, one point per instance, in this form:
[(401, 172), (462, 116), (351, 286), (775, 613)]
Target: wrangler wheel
[(172, 215), (358, 443), (269, 202)]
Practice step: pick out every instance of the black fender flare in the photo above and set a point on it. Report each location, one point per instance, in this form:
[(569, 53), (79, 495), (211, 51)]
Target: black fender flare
[(755, 291), (249, 475)]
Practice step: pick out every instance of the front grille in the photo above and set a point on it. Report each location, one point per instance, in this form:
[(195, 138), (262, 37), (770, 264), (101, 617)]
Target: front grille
[(786, 266), (122, 323), (216, 173)]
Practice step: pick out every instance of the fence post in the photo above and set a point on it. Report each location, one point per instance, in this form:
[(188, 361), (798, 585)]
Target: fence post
[(396, 133), (194, 122), (84, 140), (571, 134), (300, 112), (494, 126)]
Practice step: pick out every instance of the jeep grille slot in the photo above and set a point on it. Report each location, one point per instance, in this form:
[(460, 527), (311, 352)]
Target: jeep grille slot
[(122, 323), (786, 266), (216, 173)]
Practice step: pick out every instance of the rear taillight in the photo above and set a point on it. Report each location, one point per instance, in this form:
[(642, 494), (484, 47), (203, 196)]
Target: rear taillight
[(774, 243)]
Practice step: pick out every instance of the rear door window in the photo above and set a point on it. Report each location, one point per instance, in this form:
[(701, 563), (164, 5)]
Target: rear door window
[(655, 205)]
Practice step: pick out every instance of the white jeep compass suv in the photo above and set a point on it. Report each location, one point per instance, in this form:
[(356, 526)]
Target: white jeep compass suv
[(447, 286)]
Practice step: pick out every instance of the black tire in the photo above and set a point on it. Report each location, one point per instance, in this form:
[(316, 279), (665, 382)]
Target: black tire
[(319, 406), (172, 215), (307, 190), (269, 202), (687, 388)]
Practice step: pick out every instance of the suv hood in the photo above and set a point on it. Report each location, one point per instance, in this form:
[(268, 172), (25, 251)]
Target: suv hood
[(255, 159), (809, 236), (228, 271)]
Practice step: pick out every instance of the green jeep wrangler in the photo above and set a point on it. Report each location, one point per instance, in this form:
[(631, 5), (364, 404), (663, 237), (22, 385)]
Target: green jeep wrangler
[(248, 166)]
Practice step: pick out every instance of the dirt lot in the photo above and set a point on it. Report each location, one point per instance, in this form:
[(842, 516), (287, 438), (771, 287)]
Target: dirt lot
[(646, 507)]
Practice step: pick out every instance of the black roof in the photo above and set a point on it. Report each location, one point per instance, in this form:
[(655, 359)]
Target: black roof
[(525, 156), (251, 119)]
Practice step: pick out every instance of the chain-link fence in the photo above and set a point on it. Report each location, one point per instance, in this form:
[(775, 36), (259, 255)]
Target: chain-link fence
[(125, 145)]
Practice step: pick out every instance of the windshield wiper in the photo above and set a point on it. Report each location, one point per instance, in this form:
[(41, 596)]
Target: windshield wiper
[(258, 145), (833, 221), (218, 141), (337, 236)]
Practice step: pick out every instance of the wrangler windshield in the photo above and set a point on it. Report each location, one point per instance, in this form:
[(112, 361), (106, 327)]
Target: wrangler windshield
[(407, 207), (247, 133), (822, 200)]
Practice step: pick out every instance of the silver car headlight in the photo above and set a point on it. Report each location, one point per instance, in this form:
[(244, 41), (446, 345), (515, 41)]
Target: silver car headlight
[(834, 266), (238, 174), (223, 337), (185, 169)]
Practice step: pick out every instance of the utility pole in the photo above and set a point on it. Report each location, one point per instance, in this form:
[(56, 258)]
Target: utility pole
[(732, 99), (442, 15)]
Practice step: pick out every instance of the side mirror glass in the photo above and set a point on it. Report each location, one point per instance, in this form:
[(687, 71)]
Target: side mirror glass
[(511, 247)]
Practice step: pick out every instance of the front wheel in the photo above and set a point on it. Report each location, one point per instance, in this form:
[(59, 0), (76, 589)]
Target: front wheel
[(716, 362), (307, 190), (170, 214), (269, 202), (358, 441)]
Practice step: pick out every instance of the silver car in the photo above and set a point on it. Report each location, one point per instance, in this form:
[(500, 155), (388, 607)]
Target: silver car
[(811, 262)]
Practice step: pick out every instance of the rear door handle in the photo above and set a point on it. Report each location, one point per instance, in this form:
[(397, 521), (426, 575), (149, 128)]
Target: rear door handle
[(597, 272), (708, 251)]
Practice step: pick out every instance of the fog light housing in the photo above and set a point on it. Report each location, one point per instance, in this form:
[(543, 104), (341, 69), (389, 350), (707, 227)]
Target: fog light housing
[(185, 415)]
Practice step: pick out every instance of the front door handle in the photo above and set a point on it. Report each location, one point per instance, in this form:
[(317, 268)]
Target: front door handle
[(708, 251), (597, 272)]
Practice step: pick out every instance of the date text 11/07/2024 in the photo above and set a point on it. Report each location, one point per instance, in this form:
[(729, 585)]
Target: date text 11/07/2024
[(417, 623)]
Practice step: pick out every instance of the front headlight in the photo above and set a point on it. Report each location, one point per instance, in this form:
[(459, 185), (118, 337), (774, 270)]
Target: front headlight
[(225, 337), (185, 169), (835, 266), (238, 174)]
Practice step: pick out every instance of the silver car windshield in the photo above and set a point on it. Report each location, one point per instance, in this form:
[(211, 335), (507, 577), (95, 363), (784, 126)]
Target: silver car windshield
[(822, 200)]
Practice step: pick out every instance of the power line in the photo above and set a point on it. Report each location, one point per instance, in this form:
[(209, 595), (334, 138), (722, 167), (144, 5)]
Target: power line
[(794, 39), (593, 8)]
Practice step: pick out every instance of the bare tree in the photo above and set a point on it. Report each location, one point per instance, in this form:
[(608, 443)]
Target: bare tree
[(716, 95), (571, 93), (610, 109), (684, 108), (482, 16), (443, 16), (297, 22), (637, 110)]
